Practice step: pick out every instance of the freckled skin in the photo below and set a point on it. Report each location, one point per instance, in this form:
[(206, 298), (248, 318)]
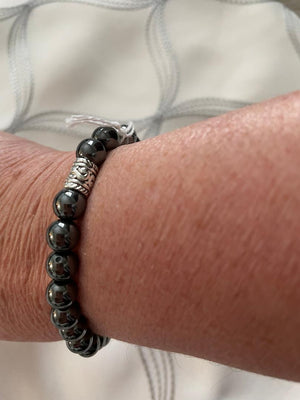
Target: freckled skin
[(190, 241)]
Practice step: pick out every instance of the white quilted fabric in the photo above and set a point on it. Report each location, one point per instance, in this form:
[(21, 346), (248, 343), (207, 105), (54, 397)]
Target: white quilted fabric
[(94, 59)]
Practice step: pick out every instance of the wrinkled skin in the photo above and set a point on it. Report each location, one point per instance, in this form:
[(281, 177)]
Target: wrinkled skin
[(190, 240)]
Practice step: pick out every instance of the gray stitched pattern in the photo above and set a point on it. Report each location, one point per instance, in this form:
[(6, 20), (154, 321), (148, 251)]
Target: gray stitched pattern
[(163, 58)]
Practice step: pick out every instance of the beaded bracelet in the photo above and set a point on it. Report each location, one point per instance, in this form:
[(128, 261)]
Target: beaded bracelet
[(63, 234)]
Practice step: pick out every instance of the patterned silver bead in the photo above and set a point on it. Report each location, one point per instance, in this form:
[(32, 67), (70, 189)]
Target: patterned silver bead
[(82, 176)]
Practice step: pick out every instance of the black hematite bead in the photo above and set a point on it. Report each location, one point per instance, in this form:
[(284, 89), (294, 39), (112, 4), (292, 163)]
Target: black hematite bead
[(61, 295), (69, 203), (81, 345), (62, 266), (62, 235), (92, 149), (108, 136), (76, 332), (65, 318), (96, 345), (104, 341)]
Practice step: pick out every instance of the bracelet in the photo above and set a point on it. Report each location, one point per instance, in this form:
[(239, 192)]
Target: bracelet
[(63, 234)]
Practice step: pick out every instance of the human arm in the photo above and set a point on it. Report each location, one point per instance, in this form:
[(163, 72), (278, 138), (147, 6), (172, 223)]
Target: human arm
[(190, 242)]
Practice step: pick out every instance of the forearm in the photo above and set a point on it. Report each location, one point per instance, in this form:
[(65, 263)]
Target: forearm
[(190, 242)]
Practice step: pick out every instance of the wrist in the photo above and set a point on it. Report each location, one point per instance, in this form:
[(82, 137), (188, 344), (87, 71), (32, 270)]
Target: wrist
[(32, 174)]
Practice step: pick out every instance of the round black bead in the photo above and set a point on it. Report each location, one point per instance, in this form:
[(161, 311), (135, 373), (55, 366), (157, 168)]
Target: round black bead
[(104, 341), (92, 149), (96, 345), (69, 203), (135, 137), (61, 295), (81, 345), (65, 318), (62, 235), (62, 266), (76, 332), (108, 136)]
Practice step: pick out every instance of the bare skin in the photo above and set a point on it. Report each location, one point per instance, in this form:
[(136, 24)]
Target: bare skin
[(190, 240)]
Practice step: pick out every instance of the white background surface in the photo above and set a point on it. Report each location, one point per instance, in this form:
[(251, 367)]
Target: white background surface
[(95, 60)]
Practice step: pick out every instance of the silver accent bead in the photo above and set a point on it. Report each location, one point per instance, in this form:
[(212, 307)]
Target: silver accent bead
[(82, 176)]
